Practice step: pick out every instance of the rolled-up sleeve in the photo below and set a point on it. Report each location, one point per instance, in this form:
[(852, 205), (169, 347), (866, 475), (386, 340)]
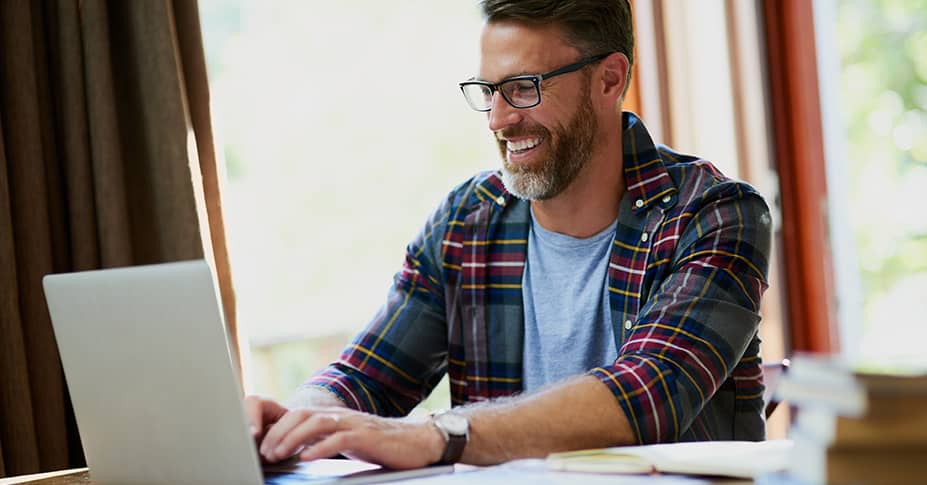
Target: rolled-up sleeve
[(691, 332)]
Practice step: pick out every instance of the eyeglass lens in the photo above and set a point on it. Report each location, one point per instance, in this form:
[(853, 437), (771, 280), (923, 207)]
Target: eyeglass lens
[(520, 93)]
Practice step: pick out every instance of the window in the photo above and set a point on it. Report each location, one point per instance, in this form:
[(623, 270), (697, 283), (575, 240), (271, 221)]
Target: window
[(342, 127), (878, 172)]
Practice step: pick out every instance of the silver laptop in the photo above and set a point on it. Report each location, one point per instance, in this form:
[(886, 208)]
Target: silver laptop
[(155, 395), (147, 363)]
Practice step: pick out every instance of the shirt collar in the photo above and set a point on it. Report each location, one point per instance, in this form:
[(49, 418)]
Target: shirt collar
[(646, 179)]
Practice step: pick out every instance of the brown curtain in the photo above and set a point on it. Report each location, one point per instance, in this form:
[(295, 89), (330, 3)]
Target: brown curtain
[(106, 159)]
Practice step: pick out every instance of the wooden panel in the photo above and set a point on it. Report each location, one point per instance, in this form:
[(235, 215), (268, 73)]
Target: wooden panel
[(632, 98), (799, 154), (650, 69)]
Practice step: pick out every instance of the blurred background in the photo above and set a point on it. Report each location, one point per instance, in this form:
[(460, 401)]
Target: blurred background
[(342, 126), (882, 82)]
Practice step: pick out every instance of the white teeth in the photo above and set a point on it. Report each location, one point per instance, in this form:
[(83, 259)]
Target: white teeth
[(521, 145)]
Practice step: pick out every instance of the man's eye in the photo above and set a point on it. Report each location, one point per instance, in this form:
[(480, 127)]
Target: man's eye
[(521, 89)]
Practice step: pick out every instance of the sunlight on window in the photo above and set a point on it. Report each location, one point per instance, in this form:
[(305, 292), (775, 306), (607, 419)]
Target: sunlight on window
[(883, 56), (342, 127)]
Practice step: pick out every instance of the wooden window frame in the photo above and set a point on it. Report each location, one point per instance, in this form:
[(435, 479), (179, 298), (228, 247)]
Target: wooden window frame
[(798, 147)]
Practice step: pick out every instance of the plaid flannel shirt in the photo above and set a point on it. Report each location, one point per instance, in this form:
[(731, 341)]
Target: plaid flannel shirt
[(686, 273)]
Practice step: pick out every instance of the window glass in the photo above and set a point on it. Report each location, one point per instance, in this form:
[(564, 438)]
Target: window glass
[(342, 126), (883, 104)]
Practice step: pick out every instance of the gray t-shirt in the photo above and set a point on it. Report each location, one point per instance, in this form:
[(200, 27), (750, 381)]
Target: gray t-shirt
[(568, 327)]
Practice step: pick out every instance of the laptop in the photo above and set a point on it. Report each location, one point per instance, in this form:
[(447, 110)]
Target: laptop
[(155, 395)]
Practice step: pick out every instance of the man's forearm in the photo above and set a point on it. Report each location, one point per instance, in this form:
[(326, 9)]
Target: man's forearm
[(580, 413), (314, 396)]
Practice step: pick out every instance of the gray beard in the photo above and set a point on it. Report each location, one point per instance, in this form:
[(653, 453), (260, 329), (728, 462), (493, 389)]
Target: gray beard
[(566, 160), (528, 185)]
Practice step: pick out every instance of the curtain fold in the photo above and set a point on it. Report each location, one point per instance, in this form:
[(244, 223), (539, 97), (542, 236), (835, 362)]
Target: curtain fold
[(106, 160)]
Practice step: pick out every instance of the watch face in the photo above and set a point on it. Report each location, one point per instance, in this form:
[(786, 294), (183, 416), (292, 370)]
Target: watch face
[(453, 423)]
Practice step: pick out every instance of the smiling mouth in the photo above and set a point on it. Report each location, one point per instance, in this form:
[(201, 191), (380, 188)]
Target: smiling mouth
[(522, 146)]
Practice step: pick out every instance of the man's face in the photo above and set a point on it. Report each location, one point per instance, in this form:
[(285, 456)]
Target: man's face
[(543, 148)]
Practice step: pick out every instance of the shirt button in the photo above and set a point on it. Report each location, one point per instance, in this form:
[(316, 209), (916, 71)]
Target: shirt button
[(639, 203), (666, 199), (644, 237), (627, 324), (500, 200)]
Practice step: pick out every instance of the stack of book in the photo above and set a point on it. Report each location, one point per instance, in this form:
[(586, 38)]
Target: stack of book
[(855, 426)]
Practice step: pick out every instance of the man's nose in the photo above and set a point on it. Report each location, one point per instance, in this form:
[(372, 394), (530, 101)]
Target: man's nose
[(502, 114)]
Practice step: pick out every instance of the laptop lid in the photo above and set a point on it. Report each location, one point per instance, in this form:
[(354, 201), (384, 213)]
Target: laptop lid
[(146, 359)]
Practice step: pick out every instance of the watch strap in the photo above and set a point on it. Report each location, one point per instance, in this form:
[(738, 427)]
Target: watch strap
[(454, 449), (455, 441)]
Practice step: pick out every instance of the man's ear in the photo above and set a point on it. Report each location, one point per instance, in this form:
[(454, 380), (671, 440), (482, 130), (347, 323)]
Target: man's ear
[(614, 74)]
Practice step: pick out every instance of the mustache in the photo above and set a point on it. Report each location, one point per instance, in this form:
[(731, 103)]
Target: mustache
[(519, 132)]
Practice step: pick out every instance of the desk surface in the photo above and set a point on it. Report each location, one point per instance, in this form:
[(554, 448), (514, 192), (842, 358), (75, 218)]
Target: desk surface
[(64, 477), (502, 475), (731, 458)]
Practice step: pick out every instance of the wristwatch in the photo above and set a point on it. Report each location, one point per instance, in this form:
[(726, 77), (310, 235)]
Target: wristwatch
[(456, 431)]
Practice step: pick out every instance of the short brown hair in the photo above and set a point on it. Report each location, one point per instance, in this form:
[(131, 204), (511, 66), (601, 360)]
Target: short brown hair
[(593, 27)]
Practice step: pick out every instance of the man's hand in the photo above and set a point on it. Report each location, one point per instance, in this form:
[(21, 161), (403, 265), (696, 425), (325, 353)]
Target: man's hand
[(323, 432), (576, 414), (261, 413)]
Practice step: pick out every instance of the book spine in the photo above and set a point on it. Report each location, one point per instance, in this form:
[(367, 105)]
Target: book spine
[(877, 430), (842, 399)]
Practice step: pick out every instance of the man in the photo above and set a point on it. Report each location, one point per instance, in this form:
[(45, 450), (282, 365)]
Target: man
[(599, 291)]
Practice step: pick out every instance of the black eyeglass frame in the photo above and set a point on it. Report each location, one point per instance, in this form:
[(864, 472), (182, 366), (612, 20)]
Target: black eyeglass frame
[(536, 79)]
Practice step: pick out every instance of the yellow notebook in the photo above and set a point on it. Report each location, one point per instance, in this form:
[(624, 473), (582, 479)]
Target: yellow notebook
[(741, 459)]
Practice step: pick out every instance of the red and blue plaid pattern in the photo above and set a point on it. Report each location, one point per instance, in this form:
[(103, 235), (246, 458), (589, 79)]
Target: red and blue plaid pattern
[(686, 274)]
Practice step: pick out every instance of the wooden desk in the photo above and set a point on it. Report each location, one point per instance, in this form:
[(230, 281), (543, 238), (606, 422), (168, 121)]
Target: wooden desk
[(63, 477), (82, 477), (735, 458)]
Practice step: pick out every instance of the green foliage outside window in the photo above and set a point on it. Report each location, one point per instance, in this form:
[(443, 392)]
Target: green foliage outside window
[(883, 56)]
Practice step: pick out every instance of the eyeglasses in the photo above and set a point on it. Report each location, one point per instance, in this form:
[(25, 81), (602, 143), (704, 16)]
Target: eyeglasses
[(518, 91)]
